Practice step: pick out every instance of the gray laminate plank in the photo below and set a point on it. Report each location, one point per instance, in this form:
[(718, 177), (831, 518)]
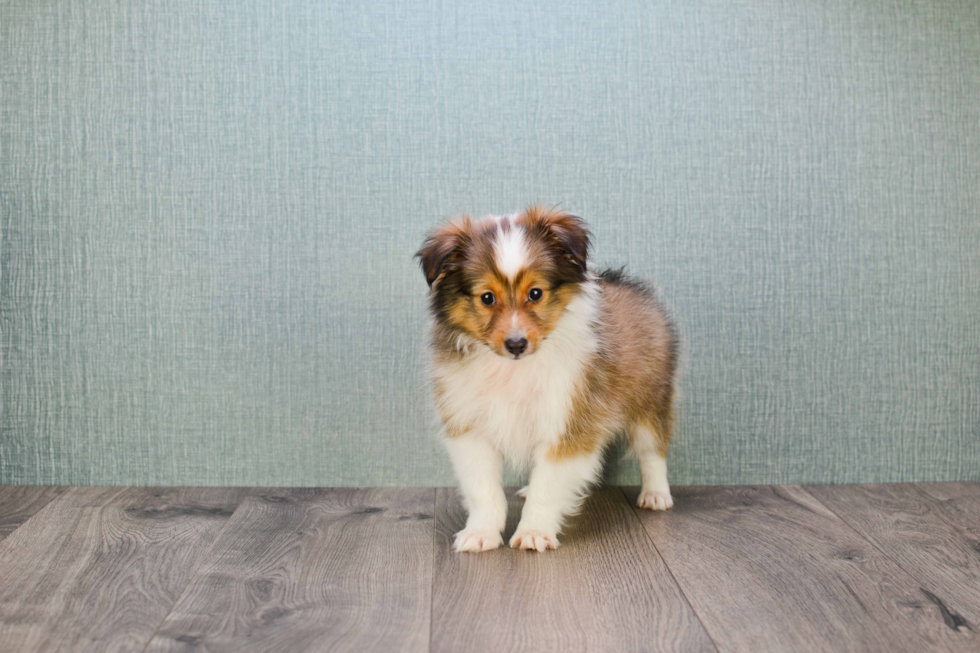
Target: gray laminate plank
[(772, 569), (958, 503), (97, 569), (908, 525), (604, 589), (313, 570), (19, 503), (965, 490)]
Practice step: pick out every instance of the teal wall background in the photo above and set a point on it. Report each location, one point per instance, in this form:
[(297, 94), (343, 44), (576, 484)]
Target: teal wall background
[(208, 211)]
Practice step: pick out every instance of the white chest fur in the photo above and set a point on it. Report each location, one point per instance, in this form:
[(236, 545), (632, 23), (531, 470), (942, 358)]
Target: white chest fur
[(521, 405)]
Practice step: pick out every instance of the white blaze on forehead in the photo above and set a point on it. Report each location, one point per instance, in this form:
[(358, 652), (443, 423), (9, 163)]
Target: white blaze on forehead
[(511, 250)]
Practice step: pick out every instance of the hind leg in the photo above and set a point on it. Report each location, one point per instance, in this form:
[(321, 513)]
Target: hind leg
[(650, 446)]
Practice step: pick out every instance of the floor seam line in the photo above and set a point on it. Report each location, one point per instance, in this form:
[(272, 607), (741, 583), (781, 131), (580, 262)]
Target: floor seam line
[(918, 581), (207, 554), (62, 490), (670, 571)]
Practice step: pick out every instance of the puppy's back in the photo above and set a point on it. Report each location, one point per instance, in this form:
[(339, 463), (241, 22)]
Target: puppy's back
[(639, 340)]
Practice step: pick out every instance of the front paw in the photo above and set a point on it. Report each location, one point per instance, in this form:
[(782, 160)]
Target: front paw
[(476, 540), (653, 500), (533, 540)]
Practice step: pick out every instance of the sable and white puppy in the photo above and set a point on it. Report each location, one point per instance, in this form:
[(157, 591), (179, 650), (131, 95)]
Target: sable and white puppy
[(537, 360)]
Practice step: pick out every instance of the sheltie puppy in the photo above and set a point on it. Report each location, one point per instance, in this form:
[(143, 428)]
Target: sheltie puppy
[(540, 361)]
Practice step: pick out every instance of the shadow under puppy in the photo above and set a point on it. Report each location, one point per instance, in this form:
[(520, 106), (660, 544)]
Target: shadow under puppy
[(540, 361)]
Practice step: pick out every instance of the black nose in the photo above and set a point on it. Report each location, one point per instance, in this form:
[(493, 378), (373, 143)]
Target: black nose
[(516, 346)]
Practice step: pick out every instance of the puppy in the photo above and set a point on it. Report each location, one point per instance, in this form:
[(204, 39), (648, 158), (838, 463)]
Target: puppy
[(540, 361)]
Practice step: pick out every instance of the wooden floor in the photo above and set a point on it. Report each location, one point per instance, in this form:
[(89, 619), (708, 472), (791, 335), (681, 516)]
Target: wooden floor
[(830, 568)]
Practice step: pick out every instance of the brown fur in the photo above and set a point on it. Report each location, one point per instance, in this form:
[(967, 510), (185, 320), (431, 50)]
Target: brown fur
[(608, 369), (458, 260), (632, 380), (629, 383)]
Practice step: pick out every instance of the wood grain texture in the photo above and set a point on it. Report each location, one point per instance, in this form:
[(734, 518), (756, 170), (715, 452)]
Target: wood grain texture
[(604, 589), (958, 503), (99, 568), (313, 570), (941, 550), (19, 503), (772, 569)]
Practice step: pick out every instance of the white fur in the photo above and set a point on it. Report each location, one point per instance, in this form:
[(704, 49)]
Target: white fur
[(519, 406), (511, 251), (556, 490), (517, 409), (479, 468), (655, 492)]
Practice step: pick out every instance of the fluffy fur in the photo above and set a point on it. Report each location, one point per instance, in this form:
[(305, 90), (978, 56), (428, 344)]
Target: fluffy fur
[(538, 361)]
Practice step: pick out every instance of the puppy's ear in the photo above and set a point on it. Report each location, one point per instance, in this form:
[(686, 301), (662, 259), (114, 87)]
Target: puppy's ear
[(568, 233), (443, 250)]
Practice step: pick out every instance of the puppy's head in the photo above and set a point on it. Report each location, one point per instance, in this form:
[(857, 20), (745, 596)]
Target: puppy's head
[(505, 281)]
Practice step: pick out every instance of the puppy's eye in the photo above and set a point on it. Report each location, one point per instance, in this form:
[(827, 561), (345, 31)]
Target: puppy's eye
[(535, 295), (488, 299)]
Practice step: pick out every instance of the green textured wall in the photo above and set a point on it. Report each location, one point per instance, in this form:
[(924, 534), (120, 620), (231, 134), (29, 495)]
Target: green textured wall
[(208, 211)]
